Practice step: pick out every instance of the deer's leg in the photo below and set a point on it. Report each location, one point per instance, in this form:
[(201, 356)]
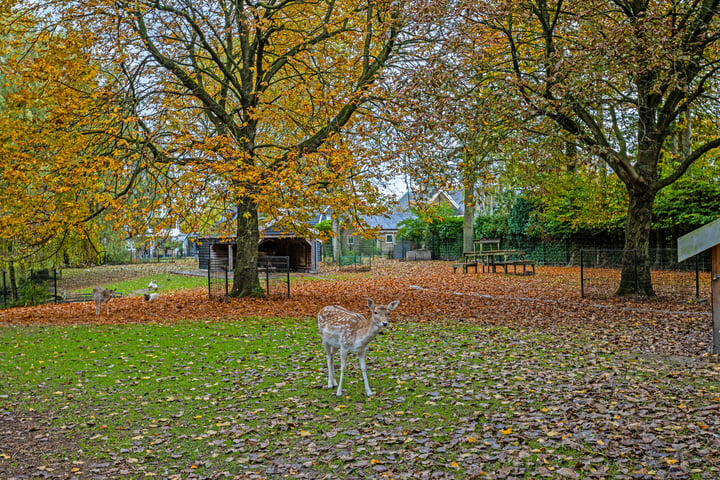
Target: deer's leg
[(329, 354), (97, 308), (363, 369), (107, 307), (343, 362)]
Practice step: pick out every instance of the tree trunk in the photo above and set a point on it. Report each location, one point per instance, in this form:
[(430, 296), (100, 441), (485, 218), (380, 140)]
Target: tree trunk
[(245, 281), (636, 259), (336, 240), (469, 216)]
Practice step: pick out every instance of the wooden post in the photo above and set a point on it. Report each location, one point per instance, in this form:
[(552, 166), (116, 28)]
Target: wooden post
[(716, 299), (705, 238)]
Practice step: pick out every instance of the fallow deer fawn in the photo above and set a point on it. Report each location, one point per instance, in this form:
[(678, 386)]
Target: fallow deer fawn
[(101, 295), (348, 331)]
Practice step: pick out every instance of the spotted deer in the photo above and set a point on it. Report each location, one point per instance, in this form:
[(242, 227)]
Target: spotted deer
[(348, 331), (101, 295)]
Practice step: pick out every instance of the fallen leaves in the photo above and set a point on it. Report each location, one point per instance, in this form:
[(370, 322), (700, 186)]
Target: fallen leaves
[(429, 292), (482, 376)]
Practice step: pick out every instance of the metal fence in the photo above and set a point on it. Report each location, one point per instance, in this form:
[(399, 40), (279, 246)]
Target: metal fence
[(600, 271), (273, 270), (33, 286), (355, 263), (219, 278)]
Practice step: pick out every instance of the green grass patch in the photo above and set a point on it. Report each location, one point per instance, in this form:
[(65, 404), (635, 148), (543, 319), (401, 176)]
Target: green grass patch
[(453, 400), (166, 283)]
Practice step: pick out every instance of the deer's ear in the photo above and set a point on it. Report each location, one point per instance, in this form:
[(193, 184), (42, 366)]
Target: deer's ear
[(393, 305), (371, 304)]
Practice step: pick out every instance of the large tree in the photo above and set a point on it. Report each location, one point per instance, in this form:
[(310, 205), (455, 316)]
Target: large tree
[(620, 79), (55, 178), (444, 116), (246, 100)]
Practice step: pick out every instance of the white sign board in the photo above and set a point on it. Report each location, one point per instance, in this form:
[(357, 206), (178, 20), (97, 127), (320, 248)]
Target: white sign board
[(697, 241)]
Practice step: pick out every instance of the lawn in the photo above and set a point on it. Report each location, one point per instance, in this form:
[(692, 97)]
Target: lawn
[(458, 396), (246, 398)]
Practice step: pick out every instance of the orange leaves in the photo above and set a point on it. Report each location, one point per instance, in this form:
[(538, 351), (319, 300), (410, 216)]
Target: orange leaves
[(48, 180), (429, 292)]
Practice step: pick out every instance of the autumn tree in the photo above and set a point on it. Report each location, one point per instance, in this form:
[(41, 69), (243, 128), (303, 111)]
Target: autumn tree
[(444, 117), (245, 101), (621, 79), (56, 178)]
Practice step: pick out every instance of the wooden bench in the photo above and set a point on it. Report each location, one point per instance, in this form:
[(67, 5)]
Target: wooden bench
[(499, 263), (525, 264), (77, 297), (465, 266)]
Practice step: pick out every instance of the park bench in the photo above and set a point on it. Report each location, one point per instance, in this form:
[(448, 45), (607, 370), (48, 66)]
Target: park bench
[(77, 297), (525, 264), (465, 266), (82, 297)]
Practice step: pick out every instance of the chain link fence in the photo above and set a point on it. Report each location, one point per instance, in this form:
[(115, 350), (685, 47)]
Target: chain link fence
[(600, 271), (29, 287), (274, 272), (355, 263), (219, 278)]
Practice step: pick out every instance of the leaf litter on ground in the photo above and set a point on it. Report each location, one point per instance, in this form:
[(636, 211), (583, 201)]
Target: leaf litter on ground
[(479, 377)]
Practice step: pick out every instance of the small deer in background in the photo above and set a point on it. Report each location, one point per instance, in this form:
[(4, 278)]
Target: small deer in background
[(101, 295), (348, 331)]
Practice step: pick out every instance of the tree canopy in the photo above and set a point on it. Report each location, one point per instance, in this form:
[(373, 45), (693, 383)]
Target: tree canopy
[(59, 170), (625, 81), (243, 104), (228, 115)]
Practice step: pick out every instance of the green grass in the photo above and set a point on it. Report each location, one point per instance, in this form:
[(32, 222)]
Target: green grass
[(166, 283), (249, 396)]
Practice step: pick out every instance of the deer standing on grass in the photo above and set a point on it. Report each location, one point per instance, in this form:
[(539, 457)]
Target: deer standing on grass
[(348, 331), (101, 295)]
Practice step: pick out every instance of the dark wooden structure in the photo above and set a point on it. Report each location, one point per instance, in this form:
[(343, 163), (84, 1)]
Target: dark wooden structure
[(303, 253), (704, 238)]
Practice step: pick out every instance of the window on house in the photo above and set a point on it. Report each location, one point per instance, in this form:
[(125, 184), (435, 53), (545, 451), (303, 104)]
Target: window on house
[(389, 238), (351, 240)]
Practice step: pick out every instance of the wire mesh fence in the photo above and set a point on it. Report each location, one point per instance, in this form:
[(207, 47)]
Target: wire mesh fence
[(218, 279), (29, 287), (355, 263), (601, 269), (275, 270)]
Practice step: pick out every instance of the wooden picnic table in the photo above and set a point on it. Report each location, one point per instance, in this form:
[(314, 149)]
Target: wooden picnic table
[(490, 243), (504, 258)]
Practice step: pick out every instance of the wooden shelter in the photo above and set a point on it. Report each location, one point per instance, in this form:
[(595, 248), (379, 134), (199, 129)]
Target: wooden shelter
[(704, 238), (303, 252)]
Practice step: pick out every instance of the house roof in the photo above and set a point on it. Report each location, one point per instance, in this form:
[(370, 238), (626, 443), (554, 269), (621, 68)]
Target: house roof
[(389, 221), (454, 198)]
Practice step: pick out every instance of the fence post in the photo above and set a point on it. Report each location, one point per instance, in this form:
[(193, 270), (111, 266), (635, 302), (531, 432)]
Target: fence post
[(582, 275), (55, 286), (287, 269), (267, 277), (4, 291), (635, 263), (209, 278), (226, 284), (697, 277)]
